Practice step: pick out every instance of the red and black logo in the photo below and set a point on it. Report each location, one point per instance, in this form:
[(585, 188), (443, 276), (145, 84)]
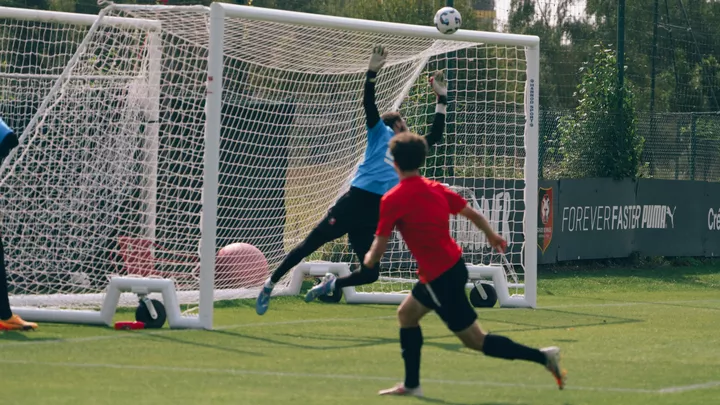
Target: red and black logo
[(545, 218)]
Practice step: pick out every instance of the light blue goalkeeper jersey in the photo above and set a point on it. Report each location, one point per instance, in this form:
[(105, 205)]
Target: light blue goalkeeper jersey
[(376, 173)]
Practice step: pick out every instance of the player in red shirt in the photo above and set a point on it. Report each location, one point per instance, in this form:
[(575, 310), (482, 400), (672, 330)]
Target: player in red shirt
[(421, 209)]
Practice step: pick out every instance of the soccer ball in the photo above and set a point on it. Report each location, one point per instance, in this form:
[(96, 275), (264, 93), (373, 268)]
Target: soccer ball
[(448, 20)]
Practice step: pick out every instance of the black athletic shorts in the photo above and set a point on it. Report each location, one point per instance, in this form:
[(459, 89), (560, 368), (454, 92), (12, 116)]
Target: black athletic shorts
[(356, 210), (356, 215), (446, 295)]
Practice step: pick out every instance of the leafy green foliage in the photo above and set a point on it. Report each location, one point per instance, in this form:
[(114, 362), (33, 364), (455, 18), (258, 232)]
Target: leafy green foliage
[(701, 146), (594, 140)]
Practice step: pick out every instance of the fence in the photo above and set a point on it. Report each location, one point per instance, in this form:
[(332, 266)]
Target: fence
[(678, 146)]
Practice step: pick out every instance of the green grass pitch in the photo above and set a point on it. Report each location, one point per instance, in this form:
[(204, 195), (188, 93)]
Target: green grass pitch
[(628, 337)]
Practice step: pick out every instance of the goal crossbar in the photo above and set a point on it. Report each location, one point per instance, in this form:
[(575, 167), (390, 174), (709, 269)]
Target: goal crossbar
[(75, 18), (355, 24)]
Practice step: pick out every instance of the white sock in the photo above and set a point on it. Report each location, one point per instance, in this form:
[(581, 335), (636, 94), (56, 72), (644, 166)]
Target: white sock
[(269, 283)]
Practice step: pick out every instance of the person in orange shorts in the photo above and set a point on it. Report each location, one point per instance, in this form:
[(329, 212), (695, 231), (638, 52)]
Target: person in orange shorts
[(8, 321)]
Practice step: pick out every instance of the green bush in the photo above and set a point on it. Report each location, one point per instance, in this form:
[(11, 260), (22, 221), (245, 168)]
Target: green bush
[(591, 140)]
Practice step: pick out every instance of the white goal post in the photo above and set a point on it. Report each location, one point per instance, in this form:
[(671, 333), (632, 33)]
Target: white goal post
[(157, 135)]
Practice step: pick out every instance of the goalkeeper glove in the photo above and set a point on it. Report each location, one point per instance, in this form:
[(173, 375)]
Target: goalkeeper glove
[(377, 60), (439, 86)]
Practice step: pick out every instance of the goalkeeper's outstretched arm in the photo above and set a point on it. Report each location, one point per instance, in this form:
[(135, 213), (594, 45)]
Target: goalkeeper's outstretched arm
[(439, 85), (377, 60)]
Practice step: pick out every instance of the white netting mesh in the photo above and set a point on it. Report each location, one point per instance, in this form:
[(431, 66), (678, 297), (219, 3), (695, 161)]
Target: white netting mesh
[(96, 176)]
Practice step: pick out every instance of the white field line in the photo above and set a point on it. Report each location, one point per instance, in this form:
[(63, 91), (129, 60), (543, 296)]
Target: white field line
[(627, 304), (270, 373), (126, 335), (693, 387), (330, 377), (120, 335)]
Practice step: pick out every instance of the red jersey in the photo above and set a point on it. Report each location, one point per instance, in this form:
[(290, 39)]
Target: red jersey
[(420, 208)]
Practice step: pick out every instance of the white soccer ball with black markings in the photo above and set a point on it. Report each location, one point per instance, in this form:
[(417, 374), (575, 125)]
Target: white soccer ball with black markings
[(448, 20)]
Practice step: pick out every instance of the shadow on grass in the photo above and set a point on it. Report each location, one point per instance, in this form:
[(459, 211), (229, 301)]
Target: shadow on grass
[(15, 336), (666, 273), (591, 320), (628, 302), (349, 341), (20, 336), (352, 342), (430, 400), (174, 339), (581, 282)]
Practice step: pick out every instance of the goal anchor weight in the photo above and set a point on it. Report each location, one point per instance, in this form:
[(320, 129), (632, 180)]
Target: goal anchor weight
[(150, 312), (483, 295)]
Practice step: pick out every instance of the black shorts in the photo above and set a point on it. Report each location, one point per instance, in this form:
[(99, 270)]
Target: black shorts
[(356, 210), (446, 295), (356, 215)]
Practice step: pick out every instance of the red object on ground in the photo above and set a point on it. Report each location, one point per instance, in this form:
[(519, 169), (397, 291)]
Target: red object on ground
[(240, 265), (129, 325)]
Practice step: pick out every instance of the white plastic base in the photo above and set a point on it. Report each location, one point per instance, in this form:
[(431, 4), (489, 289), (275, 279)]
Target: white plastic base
[(169, 296), (319, 269), (117, 286)]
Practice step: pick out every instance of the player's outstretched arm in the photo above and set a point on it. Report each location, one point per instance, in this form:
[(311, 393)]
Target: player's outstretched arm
[(439, 86), (378, 248), (377, 61), (495, 240), (390, 212), (460, 206)]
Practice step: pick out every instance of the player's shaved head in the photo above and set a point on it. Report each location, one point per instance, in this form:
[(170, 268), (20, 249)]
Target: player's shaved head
[(409, 150)]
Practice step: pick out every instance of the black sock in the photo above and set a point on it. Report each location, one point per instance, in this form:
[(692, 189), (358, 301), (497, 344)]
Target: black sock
[(411, 341), (322, 234), (505, 348), (5, 312), (291, 260), (359, 277)]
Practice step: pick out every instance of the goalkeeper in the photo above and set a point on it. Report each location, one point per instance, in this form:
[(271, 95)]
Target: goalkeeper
[(8, 321), (356, 212)]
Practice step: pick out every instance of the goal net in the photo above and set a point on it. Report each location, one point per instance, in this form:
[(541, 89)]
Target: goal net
[(84, 102), (132, 156)]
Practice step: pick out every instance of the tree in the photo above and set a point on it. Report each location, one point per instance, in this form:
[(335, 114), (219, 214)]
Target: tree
[(593, 141), (563, 39)]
